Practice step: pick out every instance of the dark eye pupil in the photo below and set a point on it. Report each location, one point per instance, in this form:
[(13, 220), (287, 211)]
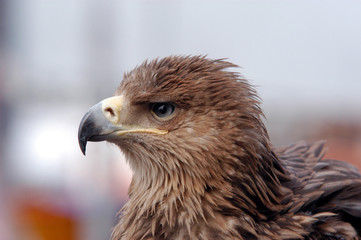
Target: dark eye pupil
[(163, 109)]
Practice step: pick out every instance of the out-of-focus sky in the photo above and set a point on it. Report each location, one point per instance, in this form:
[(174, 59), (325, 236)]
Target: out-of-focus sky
[(58, 58)]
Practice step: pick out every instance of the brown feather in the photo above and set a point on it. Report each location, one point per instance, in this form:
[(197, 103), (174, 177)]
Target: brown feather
[(214, 175)]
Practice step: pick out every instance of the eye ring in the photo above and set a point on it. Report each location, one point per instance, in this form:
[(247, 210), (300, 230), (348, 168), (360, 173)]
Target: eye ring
[(162, 110)]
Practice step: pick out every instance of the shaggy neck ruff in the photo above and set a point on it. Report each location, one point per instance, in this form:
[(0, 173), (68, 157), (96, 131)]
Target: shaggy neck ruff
[(192, 196)]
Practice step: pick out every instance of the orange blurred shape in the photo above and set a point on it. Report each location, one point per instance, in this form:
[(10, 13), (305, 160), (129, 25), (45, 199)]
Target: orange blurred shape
[(44, 223), (344, 151), (343, 141)]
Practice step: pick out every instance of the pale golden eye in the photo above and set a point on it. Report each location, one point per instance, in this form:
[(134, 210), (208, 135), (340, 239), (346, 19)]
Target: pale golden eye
[(163, 110)]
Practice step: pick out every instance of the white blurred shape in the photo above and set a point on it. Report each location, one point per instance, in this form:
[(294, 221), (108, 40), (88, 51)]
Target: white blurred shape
[(41, 142), (48, 144)]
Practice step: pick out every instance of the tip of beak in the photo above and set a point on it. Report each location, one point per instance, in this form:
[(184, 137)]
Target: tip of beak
[(82, 144), (84, 132)]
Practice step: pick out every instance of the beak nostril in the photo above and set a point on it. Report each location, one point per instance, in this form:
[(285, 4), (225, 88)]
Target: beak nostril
[(111, 108), (110, 111)]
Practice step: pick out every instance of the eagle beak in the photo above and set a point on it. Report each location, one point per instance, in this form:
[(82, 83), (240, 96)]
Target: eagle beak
[(103, 122)]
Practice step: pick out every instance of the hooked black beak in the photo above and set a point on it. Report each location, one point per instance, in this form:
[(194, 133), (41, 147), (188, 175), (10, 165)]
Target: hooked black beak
[(86, 131), (100, 122), (103, 122)]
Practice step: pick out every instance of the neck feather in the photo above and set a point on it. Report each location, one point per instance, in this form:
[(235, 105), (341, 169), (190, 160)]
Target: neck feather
[(167, 197)]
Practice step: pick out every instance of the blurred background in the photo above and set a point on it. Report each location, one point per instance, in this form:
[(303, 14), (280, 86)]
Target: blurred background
[(58, 58)]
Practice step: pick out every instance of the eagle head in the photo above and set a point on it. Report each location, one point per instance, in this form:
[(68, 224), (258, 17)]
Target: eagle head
[(178, 108), (191, 130)]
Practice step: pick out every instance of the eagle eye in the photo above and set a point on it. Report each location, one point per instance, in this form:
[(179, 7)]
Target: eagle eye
[(163, 109)]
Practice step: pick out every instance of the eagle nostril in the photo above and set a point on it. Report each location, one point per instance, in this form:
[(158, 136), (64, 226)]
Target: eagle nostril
[(109, 111), (111, 108), (111, 114)]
